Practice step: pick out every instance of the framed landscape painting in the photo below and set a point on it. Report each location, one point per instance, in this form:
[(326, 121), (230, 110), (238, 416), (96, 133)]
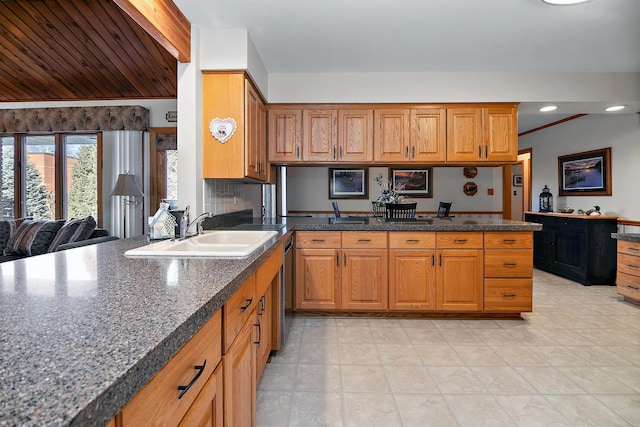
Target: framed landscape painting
[(417, 182), (348, 183), (585, 174)]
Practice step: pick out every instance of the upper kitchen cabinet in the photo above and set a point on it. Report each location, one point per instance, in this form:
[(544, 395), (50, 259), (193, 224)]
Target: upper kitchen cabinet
[(285, 135), (319, 135), (479, 135), (391, 137), (242, 155), (428, 141)]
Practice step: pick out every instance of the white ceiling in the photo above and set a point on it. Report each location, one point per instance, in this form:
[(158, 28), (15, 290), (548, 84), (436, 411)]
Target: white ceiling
[(300, 36)]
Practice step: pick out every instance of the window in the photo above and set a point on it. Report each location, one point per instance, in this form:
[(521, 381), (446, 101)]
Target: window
[(172, 174), (60, 177)]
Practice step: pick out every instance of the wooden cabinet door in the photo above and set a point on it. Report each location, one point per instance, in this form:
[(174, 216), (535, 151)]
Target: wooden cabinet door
[(364, 279), (428, 135), (240, 379), (391, 136), (252, 149), (355, 135), (320, 135), (464, 134), (206, 411), (500, 134), (459, 281), (317, 279), (264, 313), (285, 132), (412, 280)]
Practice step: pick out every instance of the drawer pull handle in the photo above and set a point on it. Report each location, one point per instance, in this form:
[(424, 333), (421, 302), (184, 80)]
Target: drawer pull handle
[(364, 240), (509, 240), (631, 248), (317, 240), (632, 266), (509, 295), (413, 241), (510, 264), (184, 388), (459, 240), (259, 333), (247, 305), (635, 288)]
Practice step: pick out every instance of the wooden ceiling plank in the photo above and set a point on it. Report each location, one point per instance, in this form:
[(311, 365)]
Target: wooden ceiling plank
[(164, 22), (42, 49), (29, 62), (141, 63), (108, 43), (165, 77)]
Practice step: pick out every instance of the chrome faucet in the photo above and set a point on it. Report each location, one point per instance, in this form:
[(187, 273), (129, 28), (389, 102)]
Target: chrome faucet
[(198, 222)]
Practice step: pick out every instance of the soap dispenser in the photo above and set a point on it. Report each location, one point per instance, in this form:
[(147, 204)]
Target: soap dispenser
[(184, 222)]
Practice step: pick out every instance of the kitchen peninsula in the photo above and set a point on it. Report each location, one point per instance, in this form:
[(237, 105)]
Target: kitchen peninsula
[(84, 330)]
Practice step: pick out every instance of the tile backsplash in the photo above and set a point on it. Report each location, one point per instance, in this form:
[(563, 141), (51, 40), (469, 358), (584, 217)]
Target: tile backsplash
[(225, 195)]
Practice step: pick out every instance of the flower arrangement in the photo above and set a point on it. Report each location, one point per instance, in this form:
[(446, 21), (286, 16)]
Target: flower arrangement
[(387, 193)]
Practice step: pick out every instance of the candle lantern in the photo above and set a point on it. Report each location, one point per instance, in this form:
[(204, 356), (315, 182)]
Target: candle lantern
[(546, 200)]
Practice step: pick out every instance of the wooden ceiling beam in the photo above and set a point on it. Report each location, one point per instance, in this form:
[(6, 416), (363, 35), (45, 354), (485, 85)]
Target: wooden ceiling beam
[(163, 21)]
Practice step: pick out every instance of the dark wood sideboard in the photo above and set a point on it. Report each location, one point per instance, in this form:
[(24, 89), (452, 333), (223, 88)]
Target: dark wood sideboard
[(577, 247)]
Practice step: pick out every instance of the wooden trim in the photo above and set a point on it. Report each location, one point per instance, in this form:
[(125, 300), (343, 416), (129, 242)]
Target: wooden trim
[(548, 125), (506, 192), (623, 221), (405, 314), (527, 168), (163, 21)]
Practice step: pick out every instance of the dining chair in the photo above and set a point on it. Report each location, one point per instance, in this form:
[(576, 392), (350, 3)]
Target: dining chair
[(400, 210), (443, 209)]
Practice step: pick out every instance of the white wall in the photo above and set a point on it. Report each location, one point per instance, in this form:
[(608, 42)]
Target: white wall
[(454, 87), (621, 132), (308, 190)]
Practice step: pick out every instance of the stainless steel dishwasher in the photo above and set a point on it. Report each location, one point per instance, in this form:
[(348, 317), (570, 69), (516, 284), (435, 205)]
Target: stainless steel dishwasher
[(286, 285)]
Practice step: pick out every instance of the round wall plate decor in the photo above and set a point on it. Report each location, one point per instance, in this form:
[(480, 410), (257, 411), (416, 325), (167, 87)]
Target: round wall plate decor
[(470, 188), (470, 172), (222, 129)]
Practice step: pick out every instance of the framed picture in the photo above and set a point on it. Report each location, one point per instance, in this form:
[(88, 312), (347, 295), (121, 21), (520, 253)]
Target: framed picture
[(585, 174), (348, 183), (517, 180), (416, 182)]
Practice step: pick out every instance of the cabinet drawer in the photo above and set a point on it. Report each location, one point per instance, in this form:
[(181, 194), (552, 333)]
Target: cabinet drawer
[(508, 263), (318, 239), (628, 286), (158, 403), (570, 224), (459, 240), (412, 240), (237, 310), (628, 264), (364, 239), (508, 240), (631, 248), (513, 295)]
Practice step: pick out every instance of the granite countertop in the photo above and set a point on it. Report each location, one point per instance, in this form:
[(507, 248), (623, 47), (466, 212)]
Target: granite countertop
[(629, 237), (81, 331)]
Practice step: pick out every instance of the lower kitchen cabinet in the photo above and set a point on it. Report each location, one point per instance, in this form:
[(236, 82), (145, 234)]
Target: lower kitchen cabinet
[(161, 402), (239, 367), (207, 410), (317, 272), (364, 279), (264, 313), (628, 279), (459, 280)]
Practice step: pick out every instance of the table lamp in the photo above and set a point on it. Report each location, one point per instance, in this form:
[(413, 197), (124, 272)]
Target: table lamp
[(127, 186)]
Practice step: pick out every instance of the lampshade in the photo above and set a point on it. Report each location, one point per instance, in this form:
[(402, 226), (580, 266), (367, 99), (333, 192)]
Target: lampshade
[(126, 185)]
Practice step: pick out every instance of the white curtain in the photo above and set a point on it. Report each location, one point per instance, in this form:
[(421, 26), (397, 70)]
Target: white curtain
[(123, 153)]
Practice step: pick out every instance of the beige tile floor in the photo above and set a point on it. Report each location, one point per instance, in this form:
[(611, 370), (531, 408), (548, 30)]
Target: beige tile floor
[(574, 361)]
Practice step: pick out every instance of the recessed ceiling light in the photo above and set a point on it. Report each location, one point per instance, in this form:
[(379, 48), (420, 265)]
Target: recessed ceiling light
[(615, 108), (548, 108), (564, 2)]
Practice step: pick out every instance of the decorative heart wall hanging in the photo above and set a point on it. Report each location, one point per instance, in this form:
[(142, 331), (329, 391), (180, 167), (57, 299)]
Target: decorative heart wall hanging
[(222, 129)]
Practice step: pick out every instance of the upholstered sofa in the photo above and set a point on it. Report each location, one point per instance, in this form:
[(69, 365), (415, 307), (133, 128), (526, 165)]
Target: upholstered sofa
[(23, 237)]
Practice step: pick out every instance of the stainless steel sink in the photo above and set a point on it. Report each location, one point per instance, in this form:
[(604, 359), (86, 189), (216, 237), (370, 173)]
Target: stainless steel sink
[(220, 243)]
